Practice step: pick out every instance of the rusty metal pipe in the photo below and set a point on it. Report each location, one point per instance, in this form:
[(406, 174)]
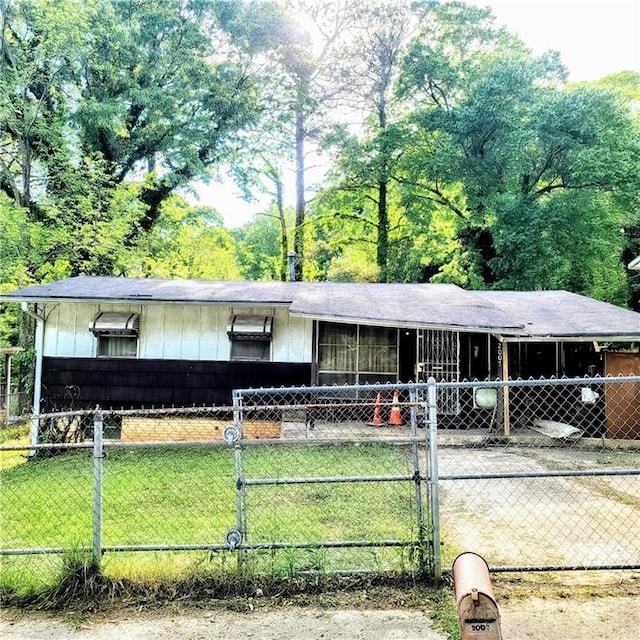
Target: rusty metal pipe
[(475, 601)]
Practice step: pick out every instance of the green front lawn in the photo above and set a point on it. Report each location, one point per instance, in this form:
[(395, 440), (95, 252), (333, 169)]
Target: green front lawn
[(187, 496)]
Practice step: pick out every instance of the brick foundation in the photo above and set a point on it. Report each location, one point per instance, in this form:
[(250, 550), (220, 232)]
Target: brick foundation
[(179, 429)]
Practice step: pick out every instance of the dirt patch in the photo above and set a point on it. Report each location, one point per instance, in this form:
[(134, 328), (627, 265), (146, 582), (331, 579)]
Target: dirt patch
[(533, 607), (570, 605), (605, 618), (289, 624)]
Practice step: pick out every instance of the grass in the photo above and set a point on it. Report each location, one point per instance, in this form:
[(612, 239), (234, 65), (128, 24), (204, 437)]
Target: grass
[(81, 588), (14, 435), (188, 496)]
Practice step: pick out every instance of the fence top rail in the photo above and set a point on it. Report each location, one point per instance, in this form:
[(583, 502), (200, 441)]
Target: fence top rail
[(87, 444), (534, 382), (155, 411), (329, 389), (410, 386)]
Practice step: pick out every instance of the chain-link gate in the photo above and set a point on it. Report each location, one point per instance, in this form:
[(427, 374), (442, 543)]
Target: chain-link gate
[(337, 471), (543, 474), (286, 482)]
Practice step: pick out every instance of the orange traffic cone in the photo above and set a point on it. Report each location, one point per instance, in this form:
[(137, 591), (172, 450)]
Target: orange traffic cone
[(377, 419), (395, 417)]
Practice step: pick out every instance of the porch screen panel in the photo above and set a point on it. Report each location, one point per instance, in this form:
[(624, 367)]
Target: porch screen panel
[(338, 347), (356, 354), (377, 354)]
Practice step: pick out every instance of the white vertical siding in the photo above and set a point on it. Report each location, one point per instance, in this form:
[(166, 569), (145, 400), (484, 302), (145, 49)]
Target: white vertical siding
[(173, 331), (172, 345), (190, 335), (151, 333), (182, 332), (291, 338), (67, 330)]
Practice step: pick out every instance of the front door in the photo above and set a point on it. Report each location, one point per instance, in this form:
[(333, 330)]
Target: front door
[(438, 357)]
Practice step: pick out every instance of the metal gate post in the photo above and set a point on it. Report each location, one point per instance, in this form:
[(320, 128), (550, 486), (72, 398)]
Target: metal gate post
[(98, 455), (237, 409), (241, 506), (434, 501), (413, 398), (241, 509)]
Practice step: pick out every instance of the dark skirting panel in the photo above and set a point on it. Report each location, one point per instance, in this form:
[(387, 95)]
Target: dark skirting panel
[(83, 383)]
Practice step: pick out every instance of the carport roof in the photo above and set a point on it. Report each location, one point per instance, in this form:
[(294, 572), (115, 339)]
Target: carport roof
[(565, 315), (510, 313)]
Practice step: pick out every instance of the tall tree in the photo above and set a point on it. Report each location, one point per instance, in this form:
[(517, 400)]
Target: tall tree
[(40, 45), (626, 86), (161, 94), (374, 62), (525, 151), (261, 253), (185, 242), (365, 184), (107, 109), (303, 72)]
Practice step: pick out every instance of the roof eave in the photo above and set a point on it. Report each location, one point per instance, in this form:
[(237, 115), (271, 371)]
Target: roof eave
[(573, 338), (139, 300), (408, 325)]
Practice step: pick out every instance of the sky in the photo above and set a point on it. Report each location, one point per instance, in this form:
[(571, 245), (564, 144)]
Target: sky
[(595, 39)]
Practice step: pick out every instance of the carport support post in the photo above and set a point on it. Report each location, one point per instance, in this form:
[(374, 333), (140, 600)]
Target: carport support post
[(98, 455), (432, 421), (505, 388)]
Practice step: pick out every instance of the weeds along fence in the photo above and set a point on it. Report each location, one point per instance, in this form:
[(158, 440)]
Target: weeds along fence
[(533, 475)]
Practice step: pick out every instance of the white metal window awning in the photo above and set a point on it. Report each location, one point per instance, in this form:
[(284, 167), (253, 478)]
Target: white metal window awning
[(115, 323), (250, 327)]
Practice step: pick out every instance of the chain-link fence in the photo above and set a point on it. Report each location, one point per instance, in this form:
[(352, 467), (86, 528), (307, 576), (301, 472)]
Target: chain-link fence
[(224, 480), (543, 474), (13, 403), (530, 474)]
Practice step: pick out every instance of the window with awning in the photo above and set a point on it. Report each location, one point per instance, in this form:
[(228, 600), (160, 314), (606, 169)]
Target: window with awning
[(250, 337), (115, 323), (116, 333)]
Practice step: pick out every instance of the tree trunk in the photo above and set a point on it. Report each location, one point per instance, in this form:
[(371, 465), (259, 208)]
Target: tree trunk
[(298, 238), (284, 238), (25, 150), (382, 247)]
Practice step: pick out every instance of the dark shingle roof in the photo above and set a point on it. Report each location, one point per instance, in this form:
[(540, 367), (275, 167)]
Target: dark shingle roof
[(438, 305), (565, 314), (515, 313), (104, 288)]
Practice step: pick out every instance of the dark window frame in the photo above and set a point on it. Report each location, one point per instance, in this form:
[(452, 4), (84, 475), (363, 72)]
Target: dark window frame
[(357, 353)]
